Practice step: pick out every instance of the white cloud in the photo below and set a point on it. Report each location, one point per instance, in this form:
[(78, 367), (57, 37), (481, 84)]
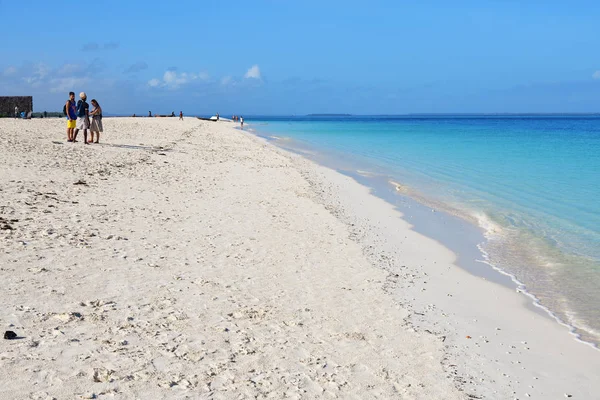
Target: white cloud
[(63, 85), (226, 80), (58, 79), (596, 75), (10, 71), (37, 74), (70, 69), (47, 82), (41, 70), (170, 78), (253, 72), (173, 79)]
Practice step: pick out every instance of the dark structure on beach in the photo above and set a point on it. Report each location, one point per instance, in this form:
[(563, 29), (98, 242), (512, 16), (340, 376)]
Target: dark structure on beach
[(8, 103)]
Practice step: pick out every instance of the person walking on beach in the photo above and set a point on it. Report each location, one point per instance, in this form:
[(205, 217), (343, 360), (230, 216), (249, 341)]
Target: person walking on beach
[(83, 117), (96, 126), (181, 115), (16, 112), (71, 113), (242, 122)]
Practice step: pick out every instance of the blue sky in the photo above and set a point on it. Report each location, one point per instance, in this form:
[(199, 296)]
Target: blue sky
[(298, 57)]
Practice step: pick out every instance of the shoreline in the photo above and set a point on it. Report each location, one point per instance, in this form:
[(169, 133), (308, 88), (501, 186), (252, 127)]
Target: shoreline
[(469, 250), (425, 319), (562, 332), (379, 182), (200, 260)]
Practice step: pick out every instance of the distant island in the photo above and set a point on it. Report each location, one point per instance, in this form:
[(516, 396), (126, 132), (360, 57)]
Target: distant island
[(329, 115)]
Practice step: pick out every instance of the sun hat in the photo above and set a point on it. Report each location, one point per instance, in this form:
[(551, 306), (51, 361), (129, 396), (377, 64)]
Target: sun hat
[(82, 95)]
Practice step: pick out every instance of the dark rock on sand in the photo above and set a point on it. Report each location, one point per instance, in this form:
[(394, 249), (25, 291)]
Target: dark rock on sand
[(9, 335)]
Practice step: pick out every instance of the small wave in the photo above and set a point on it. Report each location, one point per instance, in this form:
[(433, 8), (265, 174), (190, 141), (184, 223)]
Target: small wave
[(366, 174), (522, 288), (490, 228), (399, 187), (500, 235)]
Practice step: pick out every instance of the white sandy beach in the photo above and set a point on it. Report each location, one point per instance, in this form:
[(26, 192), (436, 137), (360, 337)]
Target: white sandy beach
[(197, 261)]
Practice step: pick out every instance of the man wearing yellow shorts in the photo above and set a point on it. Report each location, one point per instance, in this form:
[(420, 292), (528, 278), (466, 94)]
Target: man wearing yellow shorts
[(71, 111)]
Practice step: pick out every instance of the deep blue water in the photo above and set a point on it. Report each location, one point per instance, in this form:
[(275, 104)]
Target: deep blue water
[(531, 182)]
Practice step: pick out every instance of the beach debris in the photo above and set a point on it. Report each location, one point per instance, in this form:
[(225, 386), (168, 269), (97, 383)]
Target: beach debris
[(102, 375), (57, 332), (80, 182), (568, 395), (10, 335), (5, 224), (468, 337)]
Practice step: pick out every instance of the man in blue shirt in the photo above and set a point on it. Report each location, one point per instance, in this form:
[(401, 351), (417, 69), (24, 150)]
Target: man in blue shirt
[(70, 111), (83, 117)]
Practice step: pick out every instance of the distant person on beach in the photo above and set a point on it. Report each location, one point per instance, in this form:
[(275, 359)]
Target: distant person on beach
[(71, 113), (16, 112), (172, 113), (83, 117), (181, 115), (45, 114), (217, 116), (149, 113), (96, 126), (242, 122)]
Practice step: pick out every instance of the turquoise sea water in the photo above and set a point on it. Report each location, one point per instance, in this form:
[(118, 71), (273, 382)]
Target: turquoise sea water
[(532, 183)]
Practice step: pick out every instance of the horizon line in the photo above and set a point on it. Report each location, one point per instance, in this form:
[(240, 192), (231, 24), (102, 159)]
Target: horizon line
[(386, 115)]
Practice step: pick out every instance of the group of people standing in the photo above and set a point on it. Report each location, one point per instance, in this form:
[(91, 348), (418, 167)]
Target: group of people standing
[(22, 114), (240, 119), (78, 118)]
